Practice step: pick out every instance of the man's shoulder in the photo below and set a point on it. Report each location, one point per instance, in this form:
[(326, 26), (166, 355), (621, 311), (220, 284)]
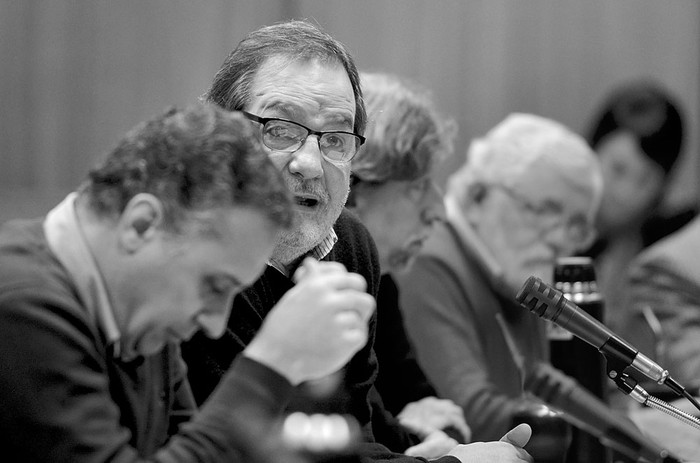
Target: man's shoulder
[(25, 257), (442, 245), (352, 233), (675, 253), (679, 245), (31, 276), (348, 222)]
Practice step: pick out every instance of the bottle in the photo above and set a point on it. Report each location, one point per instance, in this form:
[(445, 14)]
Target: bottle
[(321, 438), (551, 434), (575, 277)]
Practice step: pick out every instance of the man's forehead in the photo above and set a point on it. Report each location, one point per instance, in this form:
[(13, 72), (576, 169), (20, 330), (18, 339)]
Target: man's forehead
[(293, 86), (554, 184)]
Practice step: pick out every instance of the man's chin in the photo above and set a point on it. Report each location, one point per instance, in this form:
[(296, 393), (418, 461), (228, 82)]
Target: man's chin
[(131, 350), (308, 231), (291, 246)]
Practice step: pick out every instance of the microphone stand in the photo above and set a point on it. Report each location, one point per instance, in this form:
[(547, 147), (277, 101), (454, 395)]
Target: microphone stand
[(629, 386)]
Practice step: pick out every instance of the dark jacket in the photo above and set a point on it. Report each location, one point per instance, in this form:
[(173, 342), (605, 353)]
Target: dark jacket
[(64, 396), (450, 303)]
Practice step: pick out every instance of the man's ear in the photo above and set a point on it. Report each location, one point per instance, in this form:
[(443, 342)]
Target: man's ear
[(473, 203), (476, 193), (355, 183), (140, 221)]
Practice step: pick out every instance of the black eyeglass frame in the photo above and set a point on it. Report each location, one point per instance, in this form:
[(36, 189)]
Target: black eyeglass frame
[(319, 134)]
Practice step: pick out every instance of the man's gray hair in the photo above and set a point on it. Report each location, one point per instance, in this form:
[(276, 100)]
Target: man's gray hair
[(518, 145)]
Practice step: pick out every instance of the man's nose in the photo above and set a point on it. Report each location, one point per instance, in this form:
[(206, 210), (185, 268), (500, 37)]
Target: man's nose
[(557, 237), (307, 160), (213, 323), (434, 207)]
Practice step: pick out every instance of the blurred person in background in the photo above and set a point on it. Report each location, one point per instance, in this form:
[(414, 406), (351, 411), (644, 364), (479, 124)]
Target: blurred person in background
[(638, 136), (300, 88), (661, 316), (96, 298), (395, 197), (526, 195)]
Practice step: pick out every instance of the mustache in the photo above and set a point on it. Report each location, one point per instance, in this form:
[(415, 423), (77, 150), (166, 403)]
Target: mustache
[(308, 187)]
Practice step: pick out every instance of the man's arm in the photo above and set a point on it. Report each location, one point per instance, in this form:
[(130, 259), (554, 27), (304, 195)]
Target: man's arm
[(58, 402), (442, 326)]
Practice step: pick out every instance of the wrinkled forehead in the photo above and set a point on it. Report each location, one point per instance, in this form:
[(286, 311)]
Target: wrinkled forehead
[(294, 87), (561, 179)]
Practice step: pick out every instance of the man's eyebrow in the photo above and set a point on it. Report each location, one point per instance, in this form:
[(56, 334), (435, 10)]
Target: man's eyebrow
[(289, 111), (344, 120), (226, 278), (293, 113)]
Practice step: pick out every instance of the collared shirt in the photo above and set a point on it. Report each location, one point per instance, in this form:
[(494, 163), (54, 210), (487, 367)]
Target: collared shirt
[(480, 252), (67, 242), (320, 251), (466, 233)]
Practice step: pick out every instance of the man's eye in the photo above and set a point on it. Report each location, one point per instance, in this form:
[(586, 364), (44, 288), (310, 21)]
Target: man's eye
[(219, 286), (282, 130), (549, 208), (334, 141)]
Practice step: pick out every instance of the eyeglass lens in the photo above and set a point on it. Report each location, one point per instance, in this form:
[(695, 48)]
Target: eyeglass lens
[(289, 136)]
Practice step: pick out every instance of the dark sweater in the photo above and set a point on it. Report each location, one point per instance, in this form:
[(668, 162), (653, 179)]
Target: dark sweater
[(64, 396), (207, 359)]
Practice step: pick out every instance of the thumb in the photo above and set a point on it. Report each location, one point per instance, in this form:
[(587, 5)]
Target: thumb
[(519, 435)]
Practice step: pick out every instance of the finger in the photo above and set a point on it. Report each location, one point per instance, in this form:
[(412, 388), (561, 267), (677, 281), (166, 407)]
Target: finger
[(355, 337), (337, 280), (359, 303), (435, 445), (519, 435), (311, 266), (416, 427), (308, 266), (462, 428), (424, 449), (354, 326)]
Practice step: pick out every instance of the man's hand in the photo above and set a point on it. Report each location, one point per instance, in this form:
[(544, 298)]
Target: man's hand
[(317, 326), (431, 414), (508, 450), (434, 445)]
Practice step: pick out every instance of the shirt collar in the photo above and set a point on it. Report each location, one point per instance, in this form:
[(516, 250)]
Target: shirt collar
[(320, 251), (469, 237), (67, 241), (324, 247)]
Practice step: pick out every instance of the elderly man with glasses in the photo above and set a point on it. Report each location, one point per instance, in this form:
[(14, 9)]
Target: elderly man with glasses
[(526, 195), (300, 88)]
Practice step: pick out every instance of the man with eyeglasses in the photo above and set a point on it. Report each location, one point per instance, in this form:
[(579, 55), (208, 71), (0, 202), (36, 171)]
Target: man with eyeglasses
[(526, 195), (301, 88)]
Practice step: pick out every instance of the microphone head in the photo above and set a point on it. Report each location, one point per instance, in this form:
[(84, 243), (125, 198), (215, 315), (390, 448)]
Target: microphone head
[(541, 299)]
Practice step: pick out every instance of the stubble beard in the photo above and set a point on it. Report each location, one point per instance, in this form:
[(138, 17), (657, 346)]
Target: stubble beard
[(306, 233)]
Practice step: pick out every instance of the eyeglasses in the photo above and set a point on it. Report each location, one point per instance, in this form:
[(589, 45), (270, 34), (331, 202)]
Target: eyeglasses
[(550, 214), (288, 137)]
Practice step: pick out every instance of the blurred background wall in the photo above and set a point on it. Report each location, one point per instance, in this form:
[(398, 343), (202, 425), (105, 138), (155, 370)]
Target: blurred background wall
[(77, 74)]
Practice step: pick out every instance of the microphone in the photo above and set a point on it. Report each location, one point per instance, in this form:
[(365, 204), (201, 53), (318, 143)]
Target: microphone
[(584, 410), (551, 304)]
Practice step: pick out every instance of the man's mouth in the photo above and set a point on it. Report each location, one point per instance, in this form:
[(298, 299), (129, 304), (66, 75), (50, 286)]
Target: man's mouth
[(306, 201)]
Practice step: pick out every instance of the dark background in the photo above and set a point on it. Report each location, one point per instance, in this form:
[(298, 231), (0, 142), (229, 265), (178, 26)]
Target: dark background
[(75, 75)]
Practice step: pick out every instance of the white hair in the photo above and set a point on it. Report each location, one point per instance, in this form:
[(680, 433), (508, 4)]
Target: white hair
[(520, 144)]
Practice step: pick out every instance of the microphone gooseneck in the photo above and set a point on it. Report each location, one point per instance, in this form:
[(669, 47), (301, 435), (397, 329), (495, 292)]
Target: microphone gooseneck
[(586, 411)]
